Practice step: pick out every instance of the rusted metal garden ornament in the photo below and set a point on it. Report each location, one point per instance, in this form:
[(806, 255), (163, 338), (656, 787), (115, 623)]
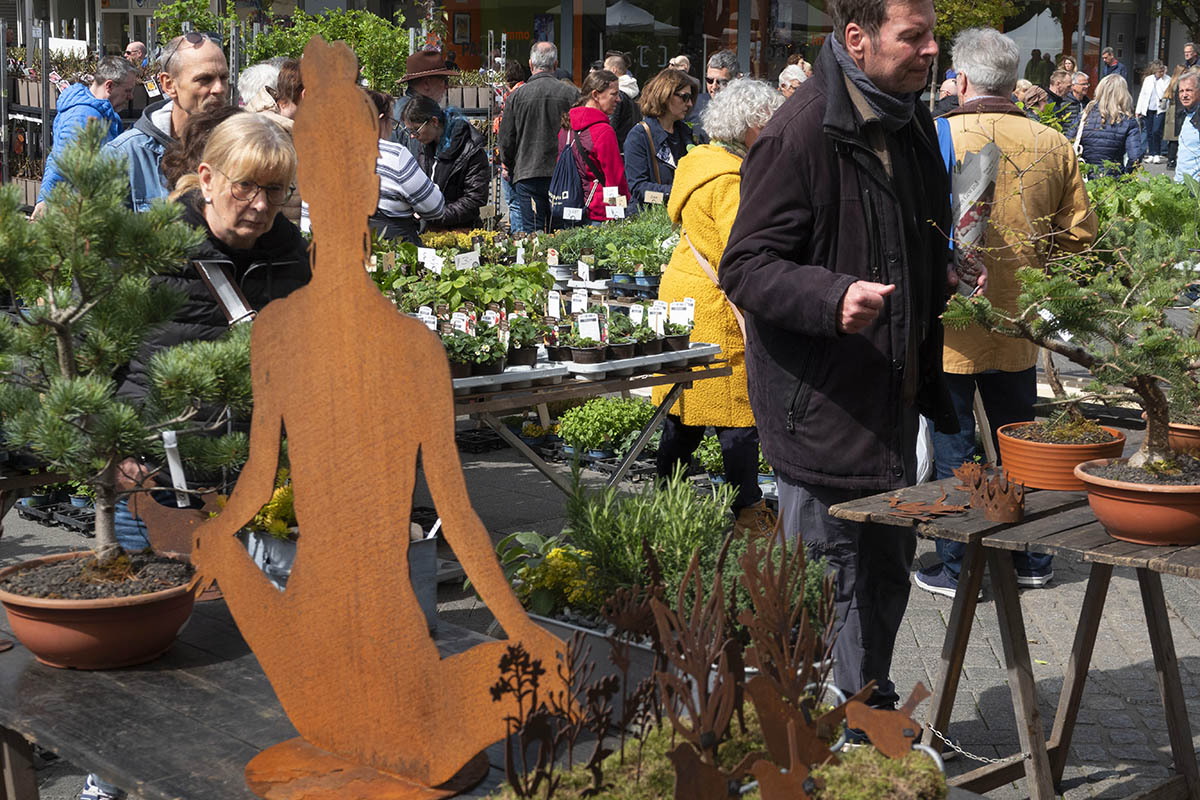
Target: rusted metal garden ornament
[(994, 494), (346, 647)]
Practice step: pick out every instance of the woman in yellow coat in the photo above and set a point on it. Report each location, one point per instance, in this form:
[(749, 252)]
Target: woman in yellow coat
[(704, 200)]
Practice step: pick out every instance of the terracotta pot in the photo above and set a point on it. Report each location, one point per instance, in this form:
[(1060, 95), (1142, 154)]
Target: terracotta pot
[(1043, 465), (1143, 513), (96, 634), (1183, 437)]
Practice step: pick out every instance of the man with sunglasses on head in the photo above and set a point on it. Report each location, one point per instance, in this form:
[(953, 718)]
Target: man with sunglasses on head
[(194, 77), (722, 68)]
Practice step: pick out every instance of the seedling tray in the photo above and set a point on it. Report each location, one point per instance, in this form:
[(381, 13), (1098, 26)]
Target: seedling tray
[(75, 518), (480, 441), (697, 353)]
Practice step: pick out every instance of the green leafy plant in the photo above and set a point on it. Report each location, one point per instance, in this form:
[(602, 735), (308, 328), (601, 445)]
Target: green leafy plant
[(488, 349), (170, 17), (709, 455), (460, 347), (278, 516), (602, 422), (676, 329), (526, 332)]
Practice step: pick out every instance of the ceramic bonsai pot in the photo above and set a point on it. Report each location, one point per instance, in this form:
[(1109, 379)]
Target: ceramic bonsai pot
[(1142, 513), (1046, 465), (96, 634), (1183, 437)]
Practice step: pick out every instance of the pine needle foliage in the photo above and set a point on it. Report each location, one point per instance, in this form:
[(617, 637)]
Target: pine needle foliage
[(84, 304)]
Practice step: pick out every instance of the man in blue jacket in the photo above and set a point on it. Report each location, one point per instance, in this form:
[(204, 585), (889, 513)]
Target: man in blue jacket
[(112, 86), (194, 77)]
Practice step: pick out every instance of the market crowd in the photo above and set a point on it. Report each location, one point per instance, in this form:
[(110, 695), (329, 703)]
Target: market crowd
[(812, 215)]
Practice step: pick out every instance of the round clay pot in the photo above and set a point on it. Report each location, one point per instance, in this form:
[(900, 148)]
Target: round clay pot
[(1183, 437), (616, 351), (650, 348), (587, 355), (1143, 513), (676, 342), (1042, 465), (495, 368), (459, 370), (96, 634), (524, 357)]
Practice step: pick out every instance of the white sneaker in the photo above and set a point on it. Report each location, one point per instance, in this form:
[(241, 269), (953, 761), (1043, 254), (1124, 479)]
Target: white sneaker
[(93, 792)]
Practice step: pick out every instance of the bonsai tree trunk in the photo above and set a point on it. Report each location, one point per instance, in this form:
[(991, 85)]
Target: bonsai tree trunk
[(106, 547), (1155, 446)]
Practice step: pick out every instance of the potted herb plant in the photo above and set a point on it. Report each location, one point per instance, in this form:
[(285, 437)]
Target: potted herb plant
[(603, 423), (84, 269), (649, 343)]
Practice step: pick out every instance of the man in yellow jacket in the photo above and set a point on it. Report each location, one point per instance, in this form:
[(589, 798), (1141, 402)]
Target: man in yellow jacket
[(1040, 207)]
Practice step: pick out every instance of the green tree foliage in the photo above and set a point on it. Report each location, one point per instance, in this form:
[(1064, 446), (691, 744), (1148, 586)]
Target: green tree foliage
[(381, 46), (81, 276), (170, 18), (957, 15)]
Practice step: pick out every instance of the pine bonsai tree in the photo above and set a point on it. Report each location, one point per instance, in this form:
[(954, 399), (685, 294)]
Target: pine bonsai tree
[(84, 303), (1106, 309)]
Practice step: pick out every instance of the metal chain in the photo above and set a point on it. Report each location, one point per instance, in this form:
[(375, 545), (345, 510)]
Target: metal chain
[(954, 746)]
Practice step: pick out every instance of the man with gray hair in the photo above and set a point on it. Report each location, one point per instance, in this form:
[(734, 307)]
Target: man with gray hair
[(194, 77), (529, 134), (111, 87), (1075, 102), (1188, 125), (1040, 209), (722, 68)]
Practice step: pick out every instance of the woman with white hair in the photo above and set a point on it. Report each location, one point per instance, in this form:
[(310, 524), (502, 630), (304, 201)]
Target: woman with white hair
[(790, 79), (704, 199), (1108, 131)]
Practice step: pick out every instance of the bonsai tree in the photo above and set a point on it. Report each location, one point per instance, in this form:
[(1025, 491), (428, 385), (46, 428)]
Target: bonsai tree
[(80, 276), (1108, 309)]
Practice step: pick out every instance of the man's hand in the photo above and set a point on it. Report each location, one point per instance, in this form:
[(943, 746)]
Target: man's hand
[(978, 267), (38, 210), (861, 305), (131, 474)]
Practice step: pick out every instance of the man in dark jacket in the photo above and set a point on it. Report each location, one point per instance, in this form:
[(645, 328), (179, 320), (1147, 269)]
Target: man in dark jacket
[(837, 260), (626, 114), (529, 134)]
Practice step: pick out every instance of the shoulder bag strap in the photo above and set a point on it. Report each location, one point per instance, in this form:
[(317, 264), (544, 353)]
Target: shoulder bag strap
[(653, 152), (1079, 134), (708, 270), (586, 156)]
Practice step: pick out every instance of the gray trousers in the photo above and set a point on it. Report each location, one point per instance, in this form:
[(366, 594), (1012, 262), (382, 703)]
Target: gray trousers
[(871, 563)]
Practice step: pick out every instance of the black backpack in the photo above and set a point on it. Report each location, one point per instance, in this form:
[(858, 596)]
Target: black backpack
[(566, 184)]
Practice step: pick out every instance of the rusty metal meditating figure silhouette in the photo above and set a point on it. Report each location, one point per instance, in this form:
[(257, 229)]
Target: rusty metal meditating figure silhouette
[(361, 391)]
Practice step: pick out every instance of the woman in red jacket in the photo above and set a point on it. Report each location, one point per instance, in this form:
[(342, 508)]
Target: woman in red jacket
[(601, 163)]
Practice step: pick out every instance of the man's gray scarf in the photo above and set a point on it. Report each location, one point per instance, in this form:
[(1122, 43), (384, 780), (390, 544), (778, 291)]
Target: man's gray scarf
[(894, 110)]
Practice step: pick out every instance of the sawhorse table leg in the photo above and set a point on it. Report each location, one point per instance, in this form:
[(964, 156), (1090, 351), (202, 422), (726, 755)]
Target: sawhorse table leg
[(20, 782)]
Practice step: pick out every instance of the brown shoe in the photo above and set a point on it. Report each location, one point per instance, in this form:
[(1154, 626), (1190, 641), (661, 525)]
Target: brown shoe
[(756, 519)]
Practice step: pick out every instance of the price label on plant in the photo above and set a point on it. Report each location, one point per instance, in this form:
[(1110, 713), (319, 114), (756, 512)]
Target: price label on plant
[(520, 255), (575, 214), (691, 310), (425, 255), (679, 313), (467, 260), (584, 269), (654, 197), (425, 310), (554, 304), (579, 301), (459, 321), (430, 321), (611, 193), (614, 212), (435, 264), (552, 257), (487, 212), (152, 88), (373, 263), (637, 313), (589, 326), (660, 306)]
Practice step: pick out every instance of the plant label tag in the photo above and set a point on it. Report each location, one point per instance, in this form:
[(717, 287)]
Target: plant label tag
[(1053, 320), (611, 193), (436, 263), (575, 214), (425, 310), (691, 309), (389, 261), (654, 197), (660, 306), (491, 317), (637, 313), (521, 254), (55, 78), (554, 304), (467, 260), (459, 321), (614, 212), (487, 212), (589, 326), (656, 320), (552, 257), (678, 314), (152, 88), (175, 465), (63, 85), (373, 263), (425, 255), (579, 301), (430, 321), (585, 271)]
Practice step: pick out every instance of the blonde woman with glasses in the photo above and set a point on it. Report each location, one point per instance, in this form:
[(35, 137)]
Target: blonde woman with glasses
[(1109, 135)]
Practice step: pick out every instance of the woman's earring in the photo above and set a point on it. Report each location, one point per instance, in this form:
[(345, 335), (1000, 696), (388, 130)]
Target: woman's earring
[(208, 200)]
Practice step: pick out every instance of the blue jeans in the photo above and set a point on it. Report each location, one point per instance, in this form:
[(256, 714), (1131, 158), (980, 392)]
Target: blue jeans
[(533, 195), (131, 532), (1154, 132), (514, 208), (1007, 397)]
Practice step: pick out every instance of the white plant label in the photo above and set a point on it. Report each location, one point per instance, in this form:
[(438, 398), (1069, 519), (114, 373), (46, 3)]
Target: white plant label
[(430, 321), (373, 263), (637, 313), (425, 310), (552, 257), (678, 314), (467, 260), (589, 326), (1046, 315), (491, 317), (435, 264), (656, 320), (554, 304), (573, 213), (584, 269), (655, 197), (611, 193), (579, 299), (175, 465), (661, 306), (425, 255), (460, 322), (614, 212), (520, 255), (691, 309)]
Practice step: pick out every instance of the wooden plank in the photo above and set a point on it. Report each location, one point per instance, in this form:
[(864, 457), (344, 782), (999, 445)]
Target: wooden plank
[(1184, 562), (1076, 541), (20, 781), (1030, 734), (1128, 554), (1077, 667), (1025, 535), (954, 645), (1162, 643)]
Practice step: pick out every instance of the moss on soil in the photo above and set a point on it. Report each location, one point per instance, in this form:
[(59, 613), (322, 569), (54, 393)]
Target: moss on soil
[(1182, 470), (1063, 431), (866, 774)]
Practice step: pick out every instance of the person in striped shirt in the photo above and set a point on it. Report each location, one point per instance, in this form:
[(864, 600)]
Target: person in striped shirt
[(406, 194)]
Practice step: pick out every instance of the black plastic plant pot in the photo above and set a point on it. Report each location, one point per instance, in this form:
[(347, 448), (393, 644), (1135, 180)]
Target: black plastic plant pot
[(650, 348), (587, 355), (677, 342), (618, 351), (556, 352), (494, 368), (524, 357), (459, 370)]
